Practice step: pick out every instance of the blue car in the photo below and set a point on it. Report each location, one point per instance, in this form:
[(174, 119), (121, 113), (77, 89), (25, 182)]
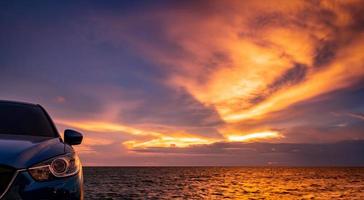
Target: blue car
[(35, 162)]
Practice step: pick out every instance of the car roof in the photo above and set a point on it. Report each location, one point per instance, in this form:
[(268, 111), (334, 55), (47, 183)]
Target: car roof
[(18, 103)]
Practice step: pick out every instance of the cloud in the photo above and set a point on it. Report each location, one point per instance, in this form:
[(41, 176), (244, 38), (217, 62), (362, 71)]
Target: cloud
[(254, 76), (179, 74), (312, 120), (346, 153), (292, 76), (137, 137), (357, 115)]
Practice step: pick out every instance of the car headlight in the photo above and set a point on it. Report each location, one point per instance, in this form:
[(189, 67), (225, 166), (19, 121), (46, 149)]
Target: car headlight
[(57, 167)]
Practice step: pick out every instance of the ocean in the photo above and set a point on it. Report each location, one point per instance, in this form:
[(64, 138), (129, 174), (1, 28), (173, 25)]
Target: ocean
[(223, 183)]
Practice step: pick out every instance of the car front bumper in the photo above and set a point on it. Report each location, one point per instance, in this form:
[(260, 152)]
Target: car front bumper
[(24, 187)]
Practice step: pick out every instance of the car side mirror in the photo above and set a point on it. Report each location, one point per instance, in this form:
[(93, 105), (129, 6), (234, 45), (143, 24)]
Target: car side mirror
[(72, 137)]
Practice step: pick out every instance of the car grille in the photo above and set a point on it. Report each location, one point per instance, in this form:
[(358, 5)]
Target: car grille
[(6, 174)]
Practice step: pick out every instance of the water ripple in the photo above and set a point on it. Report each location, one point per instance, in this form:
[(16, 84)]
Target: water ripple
[(223, 183)]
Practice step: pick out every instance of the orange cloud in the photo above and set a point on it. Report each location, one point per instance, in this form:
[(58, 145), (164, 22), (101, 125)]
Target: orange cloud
[(179, 139), (168, 141), (176, 139), (246, 60), (254, 136), (97, 126), (232, 58)]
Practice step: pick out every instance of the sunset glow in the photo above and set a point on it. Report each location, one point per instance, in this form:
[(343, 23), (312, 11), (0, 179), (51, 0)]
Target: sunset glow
[(254, 136), (190, 77), (168, 142), (106, 127)]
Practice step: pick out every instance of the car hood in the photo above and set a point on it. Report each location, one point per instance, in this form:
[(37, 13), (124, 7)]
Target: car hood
[(21, 151)]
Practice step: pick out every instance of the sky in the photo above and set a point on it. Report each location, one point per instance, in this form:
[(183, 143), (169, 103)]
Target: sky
[(155, 83)]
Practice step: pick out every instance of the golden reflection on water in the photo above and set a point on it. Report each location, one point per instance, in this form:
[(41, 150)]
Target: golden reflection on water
[(224, 183)]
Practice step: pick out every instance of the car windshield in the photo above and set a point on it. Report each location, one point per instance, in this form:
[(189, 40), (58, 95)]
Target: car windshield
[(24, 119)]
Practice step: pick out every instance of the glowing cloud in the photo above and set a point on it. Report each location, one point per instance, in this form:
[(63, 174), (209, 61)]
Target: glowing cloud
[(250, 60), (244, 62), (161, 139), (188, 75), (167, 141), (106, 127), (254, 136)]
